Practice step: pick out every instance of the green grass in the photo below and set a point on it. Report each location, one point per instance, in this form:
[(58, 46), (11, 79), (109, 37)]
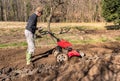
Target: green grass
[(82, 41), (19, 44), (103, 39), (49, 41), (117, 38), (46, 40), (88, 41)]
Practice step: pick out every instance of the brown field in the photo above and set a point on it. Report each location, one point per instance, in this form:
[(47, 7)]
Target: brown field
[(22, 24), (101, 46)]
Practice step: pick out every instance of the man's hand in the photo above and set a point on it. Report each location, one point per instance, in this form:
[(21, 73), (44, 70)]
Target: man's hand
[(36, 36)]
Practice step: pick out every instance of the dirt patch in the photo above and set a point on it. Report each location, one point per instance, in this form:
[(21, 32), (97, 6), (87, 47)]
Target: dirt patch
[(101, 62), (16, 35), (99, 59)]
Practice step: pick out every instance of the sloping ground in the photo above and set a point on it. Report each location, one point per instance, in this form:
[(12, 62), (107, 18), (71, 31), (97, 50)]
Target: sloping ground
[(102, 63)]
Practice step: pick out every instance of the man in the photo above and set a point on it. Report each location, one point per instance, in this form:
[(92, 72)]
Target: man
[(30, 32)]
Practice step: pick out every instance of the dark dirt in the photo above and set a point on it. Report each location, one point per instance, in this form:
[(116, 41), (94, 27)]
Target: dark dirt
[(101, 63), (13, 65)]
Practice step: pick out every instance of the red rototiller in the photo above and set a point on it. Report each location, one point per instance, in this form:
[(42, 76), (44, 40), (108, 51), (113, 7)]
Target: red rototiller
[(64, 51)]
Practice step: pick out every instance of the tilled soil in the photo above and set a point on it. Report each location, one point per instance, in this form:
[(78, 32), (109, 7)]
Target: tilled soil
[(101, 63)]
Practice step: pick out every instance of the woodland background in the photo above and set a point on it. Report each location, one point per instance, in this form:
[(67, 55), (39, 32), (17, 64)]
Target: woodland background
[(69, 11)]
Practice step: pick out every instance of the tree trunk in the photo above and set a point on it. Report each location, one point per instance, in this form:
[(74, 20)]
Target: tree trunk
[(5, 10), (49, 19), (1, 9), (25, 10)]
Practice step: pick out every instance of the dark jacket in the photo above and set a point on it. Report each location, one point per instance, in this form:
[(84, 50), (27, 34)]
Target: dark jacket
[(32, 23)]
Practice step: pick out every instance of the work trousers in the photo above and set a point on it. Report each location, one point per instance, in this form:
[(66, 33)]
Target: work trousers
[(30, 41)]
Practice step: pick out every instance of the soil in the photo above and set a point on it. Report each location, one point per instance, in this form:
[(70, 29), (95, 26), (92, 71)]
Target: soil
[(13, 63)]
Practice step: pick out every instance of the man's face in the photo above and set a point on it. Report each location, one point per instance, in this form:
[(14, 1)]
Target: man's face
[(40, 13)]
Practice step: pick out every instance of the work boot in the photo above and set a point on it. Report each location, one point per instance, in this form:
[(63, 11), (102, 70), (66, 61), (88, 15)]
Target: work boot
[(28, 58)]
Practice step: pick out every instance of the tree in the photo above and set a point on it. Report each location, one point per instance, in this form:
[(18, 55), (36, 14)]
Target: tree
[(51, 6), (54, 4), (111, 10), (1, 11), (64, 10)]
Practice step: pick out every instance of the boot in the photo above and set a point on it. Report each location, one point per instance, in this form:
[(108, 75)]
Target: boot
[(28, 58)]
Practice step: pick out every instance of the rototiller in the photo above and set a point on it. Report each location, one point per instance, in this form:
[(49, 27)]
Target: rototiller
[(63, 51)]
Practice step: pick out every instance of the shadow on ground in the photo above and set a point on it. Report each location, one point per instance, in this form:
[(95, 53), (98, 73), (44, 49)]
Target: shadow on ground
[(42, 55), (113, 27)]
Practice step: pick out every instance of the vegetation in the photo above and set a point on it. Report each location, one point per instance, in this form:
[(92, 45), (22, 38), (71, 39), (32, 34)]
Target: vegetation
[(62, 10), (117, 38), (111, 10), (19, 44), (67, 11), (76, 35)]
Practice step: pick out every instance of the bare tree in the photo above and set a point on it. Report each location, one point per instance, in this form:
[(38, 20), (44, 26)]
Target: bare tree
[(51, 7), (55, 10), (1, 10)]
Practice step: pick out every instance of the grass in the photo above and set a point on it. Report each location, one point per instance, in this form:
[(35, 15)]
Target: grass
[(49, 41), (80, 28), (90, 40), (17, 28), (19, 44), (72, 39), (100, 25), (117, 38)]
